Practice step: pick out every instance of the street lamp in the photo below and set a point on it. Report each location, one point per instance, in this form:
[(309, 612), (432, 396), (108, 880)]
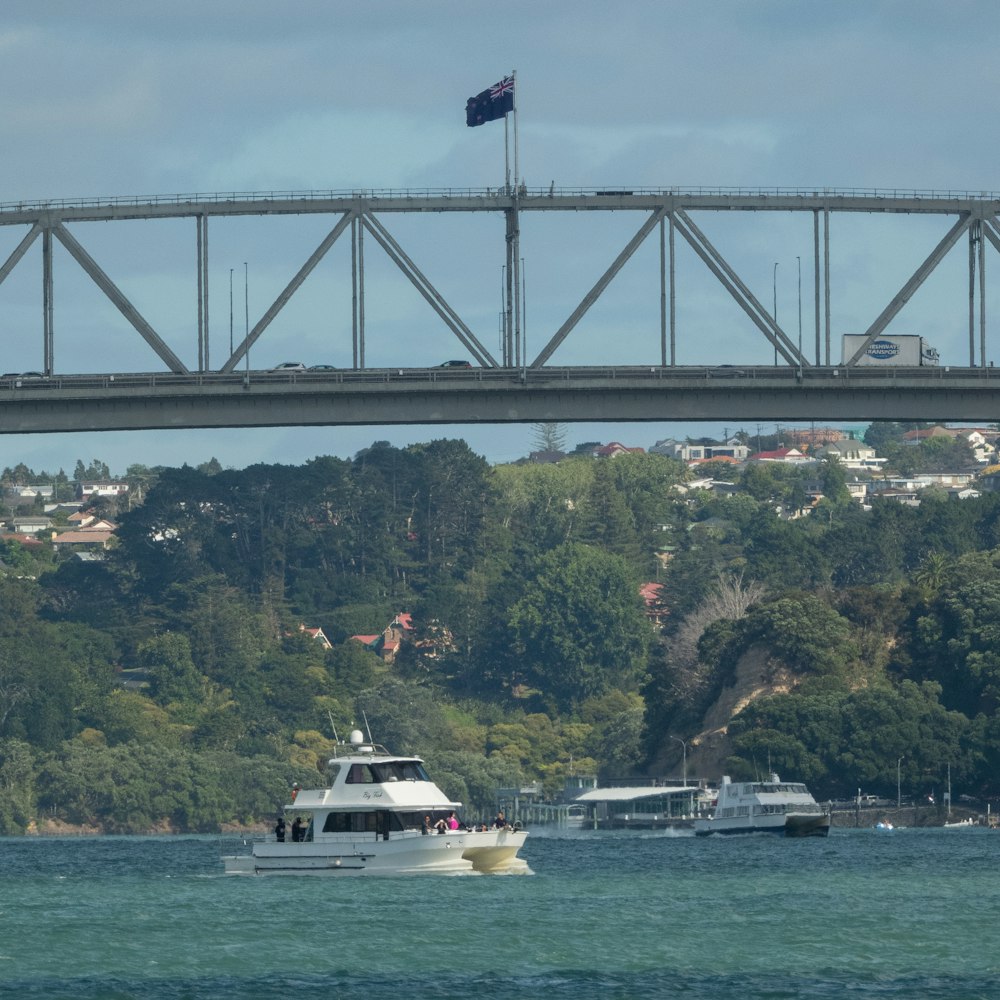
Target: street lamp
[(684, 750), (898, 798)]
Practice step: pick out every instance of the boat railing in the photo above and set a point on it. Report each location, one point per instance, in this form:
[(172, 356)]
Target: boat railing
[(355, 749)]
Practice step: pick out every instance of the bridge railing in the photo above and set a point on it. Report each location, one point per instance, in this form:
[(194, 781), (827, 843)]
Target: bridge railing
[(403, 194), (544, 377)]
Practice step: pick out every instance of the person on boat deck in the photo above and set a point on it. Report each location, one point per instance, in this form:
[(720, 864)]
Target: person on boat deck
[(279, 830), (441, 825), (297, 829), (425, 827), (452, 821), (500, 822)]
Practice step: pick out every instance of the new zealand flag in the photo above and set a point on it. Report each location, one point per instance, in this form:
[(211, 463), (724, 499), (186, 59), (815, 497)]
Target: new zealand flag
[(490, 104)]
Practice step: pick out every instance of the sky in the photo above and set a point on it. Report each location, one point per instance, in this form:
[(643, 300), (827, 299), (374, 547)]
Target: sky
[(107, 99)]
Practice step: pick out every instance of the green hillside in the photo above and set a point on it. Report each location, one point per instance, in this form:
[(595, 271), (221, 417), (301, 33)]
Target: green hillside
[(493, 620)]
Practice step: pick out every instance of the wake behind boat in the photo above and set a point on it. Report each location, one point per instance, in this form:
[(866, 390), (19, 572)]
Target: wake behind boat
[(380, 814), (773, 806)]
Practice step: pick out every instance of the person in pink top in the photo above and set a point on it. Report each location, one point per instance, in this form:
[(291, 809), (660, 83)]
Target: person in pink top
[(452, 821)]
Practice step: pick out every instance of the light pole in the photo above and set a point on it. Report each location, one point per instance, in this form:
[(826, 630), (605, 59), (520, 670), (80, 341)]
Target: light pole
[(684, 765), (898, 796), (799, 259), (246, 313), (774, 278)]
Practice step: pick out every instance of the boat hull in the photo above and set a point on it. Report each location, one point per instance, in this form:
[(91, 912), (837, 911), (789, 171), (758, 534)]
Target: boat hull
[(809, 825), (465, 853)]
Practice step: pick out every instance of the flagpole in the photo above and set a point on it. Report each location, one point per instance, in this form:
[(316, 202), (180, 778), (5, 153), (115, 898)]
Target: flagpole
[(513, 76), (506, 154)]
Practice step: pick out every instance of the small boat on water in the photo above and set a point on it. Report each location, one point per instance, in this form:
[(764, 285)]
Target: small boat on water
[(772, 806), (379, 814), (884, 824)]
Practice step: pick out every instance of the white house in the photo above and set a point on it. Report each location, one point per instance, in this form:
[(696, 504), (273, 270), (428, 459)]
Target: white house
[(852, 454)]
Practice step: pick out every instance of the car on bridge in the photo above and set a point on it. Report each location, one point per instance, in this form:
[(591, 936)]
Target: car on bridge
[(20, 377), (455, 364), (289, 366)]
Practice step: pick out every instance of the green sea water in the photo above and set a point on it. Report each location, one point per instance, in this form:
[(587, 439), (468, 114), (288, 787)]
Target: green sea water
[(861, 914)]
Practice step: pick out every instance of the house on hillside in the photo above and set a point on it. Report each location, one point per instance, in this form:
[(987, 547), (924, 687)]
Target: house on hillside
[(652, 597), (68, 507), (981, 440), (82, 540), (789, 456), (95, 488), (684, 451), (28, 541), (318, 634), (852, 454), (44, 490), (813, 436), (31, 524), (386, 643), (614, 449)]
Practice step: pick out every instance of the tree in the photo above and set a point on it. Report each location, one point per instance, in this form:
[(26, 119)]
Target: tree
[(96, 470), (579, 627), (549, 436), (173, 676)]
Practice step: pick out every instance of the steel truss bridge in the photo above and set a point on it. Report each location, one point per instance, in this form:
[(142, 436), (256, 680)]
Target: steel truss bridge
[(511, 387)]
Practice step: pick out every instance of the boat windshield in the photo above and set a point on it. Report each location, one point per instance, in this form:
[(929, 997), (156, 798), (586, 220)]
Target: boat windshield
[(398, 770), (383, 772)]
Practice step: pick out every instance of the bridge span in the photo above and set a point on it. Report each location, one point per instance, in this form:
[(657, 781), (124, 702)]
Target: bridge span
[(39, 404), (668, 216), (506, 384)]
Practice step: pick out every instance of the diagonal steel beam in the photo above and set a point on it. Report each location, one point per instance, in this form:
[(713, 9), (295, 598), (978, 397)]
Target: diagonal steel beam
[(429, 292), (19, 251), (279, 303), (125, 307), (740, 292), (592, 296), (992, 231), (916, 280)]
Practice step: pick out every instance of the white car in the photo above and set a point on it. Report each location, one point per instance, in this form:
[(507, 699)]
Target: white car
[(289, 366)]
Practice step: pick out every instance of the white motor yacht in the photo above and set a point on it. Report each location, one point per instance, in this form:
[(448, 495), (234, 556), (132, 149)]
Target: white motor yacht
[(379, 814), (772, 806)]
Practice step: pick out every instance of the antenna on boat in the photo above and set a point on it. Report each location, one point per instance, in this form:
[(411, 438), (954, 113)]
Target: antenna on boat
[(368, 730), (329, 715)]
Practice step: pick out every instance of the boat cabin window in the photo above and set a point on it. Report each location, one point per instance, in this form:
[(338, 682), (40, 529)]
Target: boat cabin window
[(382, 772), (399, 770), (350, 822), (360, 822), (360, 774), (332, 770)]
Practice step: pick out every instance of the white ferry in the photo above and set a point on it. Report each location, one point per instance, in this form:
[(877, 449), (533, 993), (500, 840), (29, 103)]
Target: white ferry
[(379, 814), (773, 806)]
